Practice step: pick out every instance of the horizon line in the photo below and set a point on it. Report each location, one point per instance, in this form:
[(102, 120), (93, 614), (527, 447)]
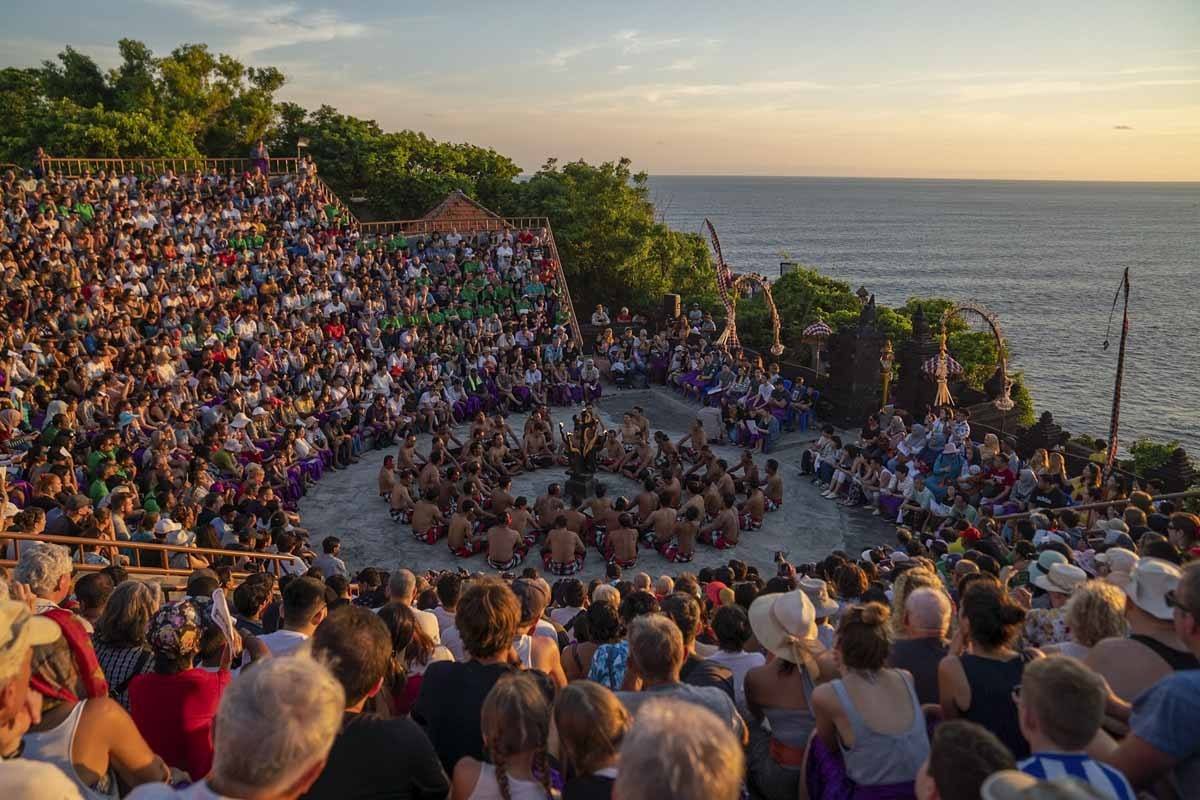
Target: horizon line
[(917, 178)]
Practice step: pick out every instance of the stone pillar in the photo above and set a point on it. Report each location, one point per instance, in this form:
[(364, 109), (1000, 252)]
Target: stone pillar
[(854, 382), (1177, 475), (1045, 433), (914, 390)]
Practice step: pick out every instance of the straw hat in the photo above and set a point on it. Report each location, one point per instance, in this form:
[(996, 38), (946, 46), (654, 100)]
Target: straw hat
[(818, 594), (1061, 578), (240, 421), (1118, 559), (1149, 581), (1045, 560), (166, 526), (784, 622)]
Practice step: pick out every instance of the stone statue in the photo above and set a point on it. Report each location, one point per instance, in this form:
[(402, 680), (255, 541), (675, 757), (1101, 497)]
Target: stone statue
[(581, 447)]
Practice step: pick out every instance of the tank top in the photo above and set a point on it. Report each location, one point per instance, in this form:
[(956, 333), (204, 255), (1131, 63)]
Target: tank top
[(523, 644), (486, 788), (54, 747), (1177, 659), (992, 683), (793, 726), (880, 759)]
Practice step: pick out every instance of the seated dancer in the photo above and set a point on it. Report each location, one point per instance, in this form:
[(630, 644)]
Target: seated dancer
[(683, 546), (501, 500), (428, 522), (400, 502), (621, 543), (659, 526), (666, 456), (463, 539), (612, 455), (647, 501), (752, 510), (748, 469), (608, 519), (637, 460), (722, 532), (450, 490), (387, 476), (693, 442), (505, 547), (522, 521), (670, 488), (564, 551), (774, 490), (538, 448), (548, 506)]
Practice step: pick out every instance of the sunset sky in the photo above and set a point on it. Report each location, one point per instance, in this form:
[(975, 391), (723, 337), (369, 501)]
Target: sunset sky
[(1066, 89)]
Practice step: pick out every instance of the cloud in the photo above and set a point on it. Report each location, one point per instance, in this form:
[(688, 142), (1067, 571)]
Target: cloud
[(619, 68), (681, 65), (635, 43), (267, 27), (1122, 127), (999, 91), (657, 93)]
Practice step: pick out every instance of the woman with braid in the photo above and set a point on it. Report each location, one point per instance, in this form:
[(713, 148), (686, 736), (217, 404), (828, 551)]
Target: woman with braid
[(515, 723)]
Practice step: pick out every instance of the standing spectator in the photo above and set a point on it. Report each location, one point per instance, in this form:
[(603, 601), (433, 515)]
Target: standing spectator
[(328, 562), (732, 627), (304, 608), (46, 570), (92, 740), (591, 723), (870, 727), (272, 735), (515, 723), (260, 159), (120, 638), (976, 680), (922, 645), (370, 753), (452, 693), (174, 706), (961, 757), (688, 614), (667, 733), (1061, 707), (1162, 742), (656, 655)]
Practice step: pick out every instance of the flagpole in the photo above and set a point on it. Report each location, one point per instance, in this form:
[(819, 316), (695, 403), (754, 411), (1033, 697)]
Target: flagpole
[(1110, 458)]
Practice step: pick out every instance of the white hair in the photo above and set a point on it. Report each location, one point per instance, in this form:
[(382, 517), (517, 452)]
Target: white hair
[(42, 566), (606, 593), (642, 581), (276, 719), (928, 609), (679, 751), (665, 585), (402, 584)]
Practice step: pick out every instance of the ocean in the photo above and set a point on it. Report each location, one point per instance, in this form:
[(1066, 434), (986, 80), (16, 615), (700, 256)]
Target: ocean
[(1045, 256)]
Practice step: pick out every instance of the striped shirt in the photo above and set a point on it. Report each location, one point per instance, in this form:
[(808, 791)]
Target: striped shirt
[(1101, 777)]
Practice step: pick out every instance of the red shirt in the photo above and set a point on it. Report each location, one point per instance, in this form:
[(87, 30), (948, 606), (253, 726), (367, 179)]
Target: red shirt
[(175, 715)]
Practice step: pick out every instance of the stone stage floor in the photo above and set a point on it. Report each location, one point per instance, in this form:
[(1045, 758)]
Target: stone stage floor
[(808, 527)]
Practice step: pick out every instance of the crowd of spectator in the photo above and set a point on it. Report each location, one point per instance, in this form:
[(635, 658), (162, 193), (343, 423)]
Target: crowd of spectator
[(186, 354)]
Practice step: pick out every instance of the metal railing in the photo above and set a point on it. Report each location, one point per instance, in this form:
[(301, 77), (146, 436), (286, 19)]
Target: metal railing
[(77, 167), (1102, 504), (165, 551)]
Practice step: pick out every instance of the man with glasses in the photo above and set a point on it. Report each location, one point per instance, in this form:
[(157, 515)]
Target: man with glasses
[(1163, 720)]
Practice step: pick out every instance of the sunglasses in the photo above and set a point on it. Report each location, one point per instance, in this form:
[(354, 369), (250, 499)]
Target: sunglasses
[(1173, 602)]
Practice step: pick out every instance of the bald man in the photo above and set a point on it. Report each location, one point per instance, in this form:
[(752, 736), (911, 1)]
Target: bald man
[(923, 643)]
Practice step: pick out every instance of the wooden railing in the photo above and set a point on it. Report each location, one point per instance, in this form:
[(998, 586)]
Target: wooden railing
[(272, 561), (1103, 504), (77, 167)]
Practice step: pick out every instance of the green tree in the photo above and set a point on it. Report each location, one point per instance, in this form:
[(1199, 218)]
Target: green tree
[(613, 248)]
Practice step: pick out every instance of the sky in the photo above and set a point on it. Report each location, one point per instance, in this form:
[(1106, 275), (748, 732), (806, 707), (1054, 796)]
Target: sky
[(1053, 89)]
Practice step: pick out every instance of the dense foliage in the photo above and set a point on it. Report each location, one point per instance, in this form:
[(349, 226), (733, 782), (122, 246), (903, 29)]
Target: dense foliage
[(804, 296), (194, 102)]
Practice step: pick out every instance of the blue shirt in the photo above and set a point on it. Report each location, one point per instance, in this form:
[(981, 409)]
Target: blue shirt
[(1166, 716), (1101, 777)]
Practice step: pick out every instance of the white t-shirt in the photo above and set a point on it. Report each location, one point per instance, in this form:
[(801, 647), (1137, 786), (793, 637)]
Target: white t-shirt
[(282, 642), (740, 664)]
